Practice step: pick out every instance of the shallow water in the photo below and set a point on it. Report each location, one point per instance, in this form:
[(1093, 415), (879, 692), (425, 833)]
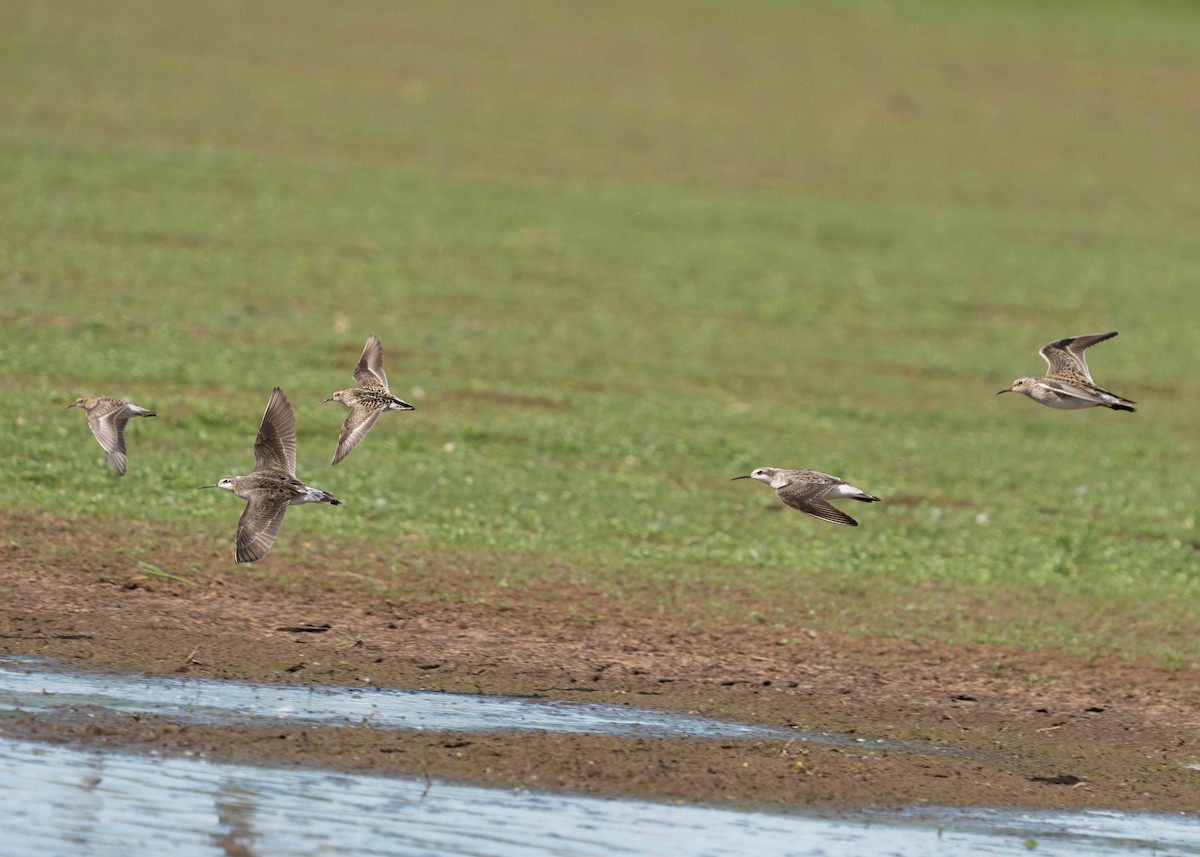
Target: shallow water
[(61, 800), (34, 685), (58, 800)]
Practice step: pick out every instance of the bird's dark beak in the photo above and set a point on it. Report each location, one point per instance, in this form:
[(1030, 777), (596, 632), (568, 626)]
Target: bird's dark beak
[(330, 399), (734, 479), (198, 487), (1008, 390), (71, 405)]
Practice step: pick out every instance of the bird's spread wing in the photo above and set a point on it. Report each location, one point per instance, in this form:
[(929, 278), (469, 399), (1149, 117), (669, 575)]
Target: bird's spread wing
[(808, 497), (117, 456), (109, 430), (275, 446), (104, 428), (370, 366), (258, 527), (354, 429), (1065, 356)]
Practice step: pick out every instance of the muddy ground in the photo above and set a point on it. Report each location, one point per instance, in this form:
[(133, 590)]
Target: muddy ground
[(1023, 729)]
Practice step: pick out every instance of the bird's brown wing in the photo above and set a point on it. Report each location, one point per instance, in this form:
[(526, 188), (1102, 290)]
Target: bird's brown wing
[(258, 527), (354, 429), (109, 430), (370, 366), (275, 446), (808, 497), (1065, 356)]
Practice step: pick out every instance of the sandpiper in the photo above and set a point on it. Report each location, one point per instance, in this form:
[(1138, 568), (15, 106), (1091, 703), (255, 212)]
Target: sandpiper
[(810, 492), (1068, 385), (273, 485), (106, 418), (366, 401)]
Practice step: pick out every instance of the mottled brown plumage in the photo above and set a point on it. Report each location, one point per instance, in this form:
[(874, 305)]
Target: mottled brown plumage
[(106, 418), (366, 401), (273, 485), (1069, 385), (809, 491)]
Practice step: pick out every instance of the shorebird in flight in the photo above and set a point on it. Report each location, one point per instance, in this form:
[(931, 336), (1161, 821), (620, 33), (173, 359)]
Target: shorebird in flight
[(106, 418), (810, 492), (366, 401), (1069, 385), (273, 485)]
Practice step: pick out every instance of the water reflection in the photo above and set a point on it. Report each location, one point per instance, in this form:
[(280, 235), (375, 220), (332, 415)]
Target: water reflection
[(235, 836), (63, 801)]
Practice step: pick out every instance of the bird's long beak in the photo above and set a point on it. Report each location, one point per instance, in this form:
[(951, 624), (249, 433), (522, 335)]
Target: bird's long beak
[(1006, 390), (72, 405), (734, 479), (330, 399), (198, 487)]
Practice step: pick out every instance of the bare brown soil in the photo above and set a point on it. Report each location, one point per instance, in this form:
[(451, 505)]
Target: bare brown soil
[(1022, 729)]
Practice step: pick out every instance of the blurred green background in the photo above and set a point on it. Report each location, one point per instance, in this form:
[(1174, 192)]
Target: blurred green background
[(618, 253)]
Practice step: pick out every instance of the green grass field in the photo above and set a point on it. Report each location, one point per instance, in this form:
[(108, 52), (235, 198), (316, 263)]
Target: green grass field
[(617, 254)]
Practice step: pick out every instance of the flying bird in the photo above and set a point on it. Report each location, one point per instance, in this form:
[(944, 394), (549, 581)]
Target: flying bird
[(1069, 385), (810, 492), (366, 401), (106, 418), (273, 485)]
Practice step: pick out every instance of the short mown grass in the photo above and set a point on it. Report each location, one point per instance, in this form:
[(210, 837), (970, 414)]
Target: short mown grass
[(617, 254)]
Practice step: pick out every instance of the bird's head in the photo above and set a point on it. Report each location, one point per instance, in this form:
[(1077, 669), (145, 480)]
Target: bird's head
[(1021, 385), (229, 483), (762, 474)]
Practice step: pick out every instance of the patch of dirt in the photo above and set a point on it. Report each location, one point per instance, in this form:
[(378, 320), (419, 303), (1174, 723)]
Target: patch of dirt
[(1097, 733)]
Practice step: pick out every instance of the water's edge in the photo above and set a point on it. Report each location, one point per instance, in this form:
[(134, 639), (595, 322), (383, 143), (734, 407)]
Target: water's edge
[(76, 799)]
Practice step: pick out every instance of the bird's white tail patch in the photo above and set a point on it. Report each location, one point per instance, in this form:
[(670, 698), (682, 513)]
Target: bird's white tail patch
[(316, 495)]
